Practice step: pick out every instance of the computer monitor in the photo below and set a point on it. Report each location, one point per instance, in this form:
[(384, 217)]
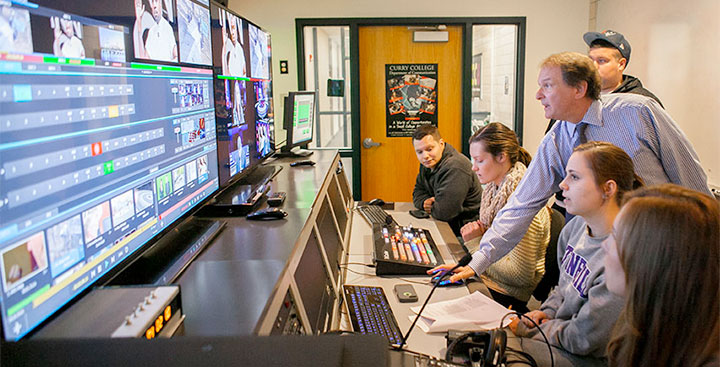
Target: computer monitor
[(314, 286), (299, 119), (99, 155), (243, 94)]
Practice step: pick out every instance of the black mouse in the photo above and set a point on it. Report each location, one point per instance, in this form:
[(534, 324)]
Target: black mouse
[(377, 201), (420, 214), (302, 163), (268, 214)]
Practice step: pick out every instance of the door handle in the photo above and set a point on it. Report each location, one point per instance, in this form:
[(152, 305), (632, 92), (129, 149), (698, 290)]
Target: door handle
[(369, 143)]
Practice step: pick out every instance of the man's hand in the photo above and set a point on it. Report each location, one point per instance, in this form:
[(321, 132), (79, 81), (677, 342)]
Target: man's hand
[(538, 316), (427, 205), (460, 273), (472, 230)]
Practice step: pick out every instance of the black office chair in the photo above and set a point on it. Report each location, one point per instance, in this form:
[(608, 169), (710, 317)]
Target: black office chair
[(552, 272)]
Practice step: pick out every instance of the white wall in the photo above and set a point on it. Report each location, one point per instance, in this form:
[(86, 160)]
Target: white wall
[(552, 26), (675, 52)]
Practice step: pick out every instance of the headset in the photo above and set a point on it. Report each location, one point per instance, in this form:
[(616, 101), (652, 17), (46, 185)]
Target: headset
[(477, 348)]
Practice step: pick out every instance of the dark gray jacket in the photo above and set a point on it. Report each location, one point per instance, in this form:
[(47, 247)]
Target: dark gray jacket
[(454, 185)]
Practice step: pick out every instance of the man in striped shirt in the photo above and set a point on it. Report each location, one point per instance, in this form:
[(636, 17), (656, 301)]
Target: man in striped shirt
[(570, 93)]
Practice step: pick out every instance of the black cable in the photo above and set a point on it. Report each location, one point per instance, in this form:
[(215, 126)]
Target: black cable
[(525, 355), (552, 359)]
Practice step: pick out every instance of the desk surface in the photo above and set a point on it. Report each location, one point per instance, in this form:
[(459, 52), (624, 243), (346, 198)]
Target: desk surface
[(226, 289), (360, 252)]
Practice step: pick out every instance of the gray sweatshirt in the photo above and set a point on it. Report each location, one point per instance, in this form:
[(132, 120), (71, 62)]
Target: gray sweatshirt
[(582, 311)]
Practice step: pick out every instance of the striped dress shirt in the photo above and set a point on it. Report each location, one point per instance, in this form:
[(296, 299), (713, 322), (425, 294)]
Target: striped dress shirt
[(659, 150)]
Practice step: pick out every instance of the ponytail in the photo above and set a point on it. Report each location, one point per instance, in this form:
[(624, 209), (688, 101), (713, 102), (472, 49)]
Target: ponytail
[(638, 182), (524, 157)]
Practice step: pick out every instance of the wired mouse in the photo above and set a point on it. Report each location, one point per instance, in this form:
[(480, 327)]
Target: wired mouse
[(445, 282), (268, 214)]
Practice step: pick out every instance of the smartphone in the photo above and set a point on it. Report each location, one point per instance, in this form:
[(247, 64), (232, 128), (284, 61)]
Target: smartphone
[(405, 293)]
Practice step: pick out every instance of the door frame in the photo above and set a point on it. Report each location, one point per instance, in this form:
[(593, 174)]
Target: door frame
[(465, 22)]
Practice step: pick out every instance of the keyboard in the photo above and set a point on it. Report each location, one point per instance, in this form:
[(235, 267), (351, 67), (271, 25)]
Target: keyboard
[(374, 214), (370, 312)]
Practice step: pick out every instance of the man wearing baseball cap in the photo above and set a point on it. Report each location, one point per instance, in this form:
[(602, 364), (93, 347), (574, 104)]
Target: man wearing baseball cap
[(611, 53)]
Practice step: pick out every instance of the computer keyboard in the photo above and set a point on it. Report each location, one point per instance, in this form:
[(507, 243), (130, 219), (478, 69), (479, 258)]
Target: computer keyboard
[(374, 214), (370, 312)]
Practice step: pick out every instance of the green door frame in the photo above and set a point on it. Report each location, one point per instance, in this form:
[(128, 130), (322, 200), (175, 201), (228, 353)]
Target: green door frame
[(466, 23)]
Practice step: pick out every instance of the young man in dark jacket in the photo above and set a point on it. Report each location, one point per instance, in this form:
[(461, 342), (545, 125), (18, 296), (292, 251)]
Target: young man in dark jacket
[(446, 186), (611, 53)]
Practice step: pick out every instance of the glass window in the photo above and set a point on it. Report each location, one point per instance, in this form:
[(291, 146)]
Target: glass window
[(494, 77), (327, 71)]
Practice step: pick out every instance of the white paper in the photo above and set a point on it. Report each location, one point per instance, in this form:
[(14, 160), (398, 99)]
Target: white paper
[(472, 312)]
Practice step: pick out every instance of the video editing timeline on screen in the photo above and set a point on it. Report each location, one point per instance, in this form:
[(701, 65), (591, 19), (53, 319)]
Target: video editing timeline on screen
[(97, 155), (243, 92), (401, 250)]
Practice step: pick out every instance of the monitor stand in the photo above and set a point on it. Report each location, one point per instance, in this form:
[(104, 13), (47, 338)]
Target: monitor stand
[(293, 153), (240, 198)]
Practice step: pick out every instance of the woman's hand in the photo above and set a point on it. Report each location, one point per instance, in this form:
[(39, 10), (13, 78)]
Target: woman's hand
[(472, 230), (460, 273)]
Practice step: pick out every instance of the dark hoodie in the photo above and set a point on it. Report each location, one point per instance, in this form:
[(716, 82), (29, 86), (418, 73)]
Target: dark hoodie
[(454, 185), (630, 84)]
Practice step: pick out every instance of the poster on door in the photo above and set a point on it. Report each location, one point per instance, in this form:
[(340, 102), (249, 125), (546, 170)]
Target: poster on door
[(411, 97)]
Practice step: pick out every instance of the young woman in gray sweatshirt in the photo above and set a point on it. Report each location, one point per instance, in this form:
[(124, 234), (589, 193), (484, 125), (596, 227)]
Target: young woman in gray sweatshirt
[(579, 314)]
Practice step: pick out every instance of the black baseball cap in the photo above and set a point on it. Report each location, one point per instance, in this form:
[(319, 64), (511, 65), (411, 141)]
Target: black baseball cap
[(614, 38)]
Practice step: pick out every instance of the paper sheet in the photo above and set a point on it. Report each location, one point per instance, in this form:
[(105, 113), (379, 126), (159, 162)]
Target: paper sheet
[(472, 312)]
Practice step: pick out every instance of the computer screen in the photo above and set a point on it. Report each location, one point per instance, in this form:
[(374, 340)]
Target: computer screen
[(314, 286), (243, 93), (330, 238), (98, 154), (299, 118)]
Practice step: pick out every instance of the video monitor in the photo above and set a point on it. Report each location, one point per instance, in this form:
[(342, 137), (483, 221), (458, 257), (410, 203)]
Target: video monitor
[(330, 238), (299, 119), (243, 100), (98, 155), (314, 286)]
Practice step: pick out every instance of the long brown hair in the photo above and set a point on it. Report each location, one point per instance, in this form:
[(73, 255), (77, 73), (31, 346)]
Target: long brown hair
[(668, 244), (608, 162), (498, 138)]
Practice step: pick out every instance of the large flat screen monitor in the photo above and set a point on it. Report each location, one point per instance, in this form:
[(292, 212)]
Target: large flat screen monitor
[(243, 93), (298, 120), (98, 155)]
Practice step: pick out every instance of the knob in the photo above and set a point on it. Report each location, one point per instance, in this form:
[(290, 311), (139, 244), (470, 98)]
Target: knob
[(368, 143)]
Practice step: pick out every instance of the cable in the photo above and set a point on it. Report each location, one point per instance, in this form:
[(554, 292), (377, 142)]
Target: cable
[(547, 342), (529, 358)]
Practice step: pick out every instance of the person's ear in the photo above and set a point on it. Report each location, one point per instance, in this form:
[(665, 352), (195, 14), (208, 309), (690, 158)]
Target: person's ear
[(610, 189), (622, 64), (581, 90), (501, 158)]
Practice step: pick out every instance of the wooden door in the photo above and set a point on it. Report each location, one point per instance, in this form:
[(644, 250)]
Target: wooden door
[(388, 171)]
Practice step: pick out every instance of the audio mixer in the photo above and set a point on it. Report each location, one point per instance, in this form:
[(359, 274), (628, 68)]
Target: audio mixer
[(404, 250)]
